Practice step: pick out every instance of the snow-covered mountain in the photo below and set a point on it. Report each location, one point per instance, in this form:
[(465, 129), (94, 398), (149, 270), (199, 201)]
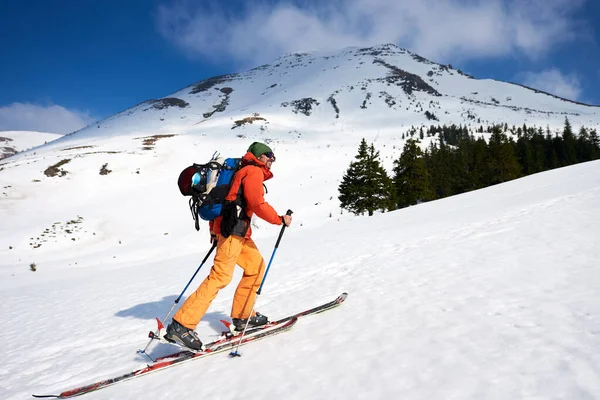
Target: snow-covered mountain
[(349, 91), (313, 108), (12, 142), (490, 294)]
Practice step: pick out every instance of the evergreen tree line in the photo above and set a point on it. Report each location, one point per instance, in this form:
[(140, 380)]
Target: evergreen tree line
[(457, 162)]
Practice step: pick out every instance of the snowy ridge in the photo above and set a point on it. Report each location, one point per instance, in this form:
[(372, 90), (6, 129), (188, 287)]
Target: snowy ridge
[(12, 142)]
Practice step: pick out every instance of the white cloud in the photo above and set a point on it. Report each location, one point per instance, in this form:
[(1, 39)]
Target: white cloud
[(51, 118), (555, 82), (443, 30)]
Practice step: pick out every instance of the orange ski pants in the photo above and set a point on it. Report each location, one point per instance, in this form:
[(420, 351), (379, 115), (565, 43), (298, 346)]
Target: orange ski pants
[(230, 251)]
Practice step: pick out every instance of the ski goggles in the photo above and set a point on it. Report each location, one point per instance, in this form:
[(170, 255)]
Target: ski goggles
[(270, 155)]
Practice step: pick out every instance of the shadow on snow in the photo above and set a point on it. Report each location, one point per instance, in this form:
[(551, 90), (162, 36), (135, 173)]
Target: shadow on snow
[(159, 309)]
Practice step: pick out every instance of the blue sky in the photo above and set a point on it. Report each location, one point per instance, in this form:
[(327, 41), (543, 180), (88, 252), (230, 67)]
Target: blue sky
[(66, 63)]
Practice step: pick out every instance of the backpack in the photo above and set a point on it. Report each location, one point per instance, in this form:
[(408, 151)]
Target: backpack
[(208, 185)]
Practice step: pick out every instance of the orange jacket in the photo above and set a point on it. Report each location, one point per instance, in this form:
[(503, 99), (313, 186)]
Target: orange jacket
[(251, 176)]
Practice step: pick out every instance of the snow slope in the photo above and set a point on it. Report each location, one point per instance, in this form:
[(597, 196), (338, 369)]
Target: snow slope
[(11, 142), (490, 294), (134, 157)]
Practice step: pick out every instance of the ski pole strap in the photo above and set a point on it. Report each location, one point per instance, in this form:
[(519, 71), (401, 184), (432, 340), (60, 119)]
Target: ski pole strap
[(289, 212)]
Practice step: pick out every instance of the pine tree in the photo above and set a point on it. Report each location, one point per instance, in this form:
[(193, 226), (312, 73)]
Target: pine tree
[(503, 161), (525, 154), (438, 163), (595, 144), (583, 146), (366, 186), (411, 179), (480, 176), (570, 154), (538, 146)]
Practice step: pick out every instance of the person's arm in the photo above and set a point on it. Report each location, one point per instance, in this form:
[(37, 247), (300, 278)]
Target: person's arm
[(255, 201)]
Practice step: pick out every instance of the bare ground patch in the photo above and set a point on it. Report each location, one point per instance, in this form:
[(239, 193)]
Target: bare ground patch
[(247, 120), (99, 152), (303, 106), (409, 82), (167, 102), (150, 141), (77, 148), (104, 170), (222, 105), (55, 170), (58, 230), (206, 84), (6, 151)]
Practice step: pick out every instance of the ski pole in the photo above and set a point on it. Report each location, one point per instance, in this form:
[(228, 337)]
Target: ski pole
[(289, 212), (193, 276), (152, 335), (235, 352)]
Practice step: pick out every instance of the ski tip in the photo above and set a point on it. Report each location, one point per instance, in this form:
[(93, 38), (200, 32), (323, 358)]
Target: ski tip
[(42, 396)]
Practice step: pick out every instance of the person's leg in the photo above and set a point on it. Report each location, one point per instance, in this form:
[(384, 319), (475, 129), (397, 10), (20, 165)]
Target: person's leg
[(253, 264), (194, 308)]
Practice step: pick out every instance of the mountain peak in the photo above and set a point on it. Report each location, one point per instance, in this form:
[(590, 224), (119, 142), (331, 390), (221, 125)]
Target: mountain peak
[(357, 87)]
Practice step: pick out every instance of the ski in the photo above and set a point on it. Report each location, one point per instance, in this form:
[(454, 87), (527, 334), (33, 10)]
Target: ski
[(232, 336), (226, 337), (218, 346), (170, 361), (323, 307)]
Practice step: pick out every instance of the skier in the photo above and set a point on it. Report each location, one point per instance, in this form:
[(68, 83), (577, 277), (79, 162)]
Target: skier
[(232, 232)]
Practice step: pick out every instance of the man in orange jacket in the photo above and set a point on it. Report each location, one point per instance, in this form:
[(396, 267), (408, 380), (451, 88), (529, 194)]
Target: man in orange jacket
[(234, 246)]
